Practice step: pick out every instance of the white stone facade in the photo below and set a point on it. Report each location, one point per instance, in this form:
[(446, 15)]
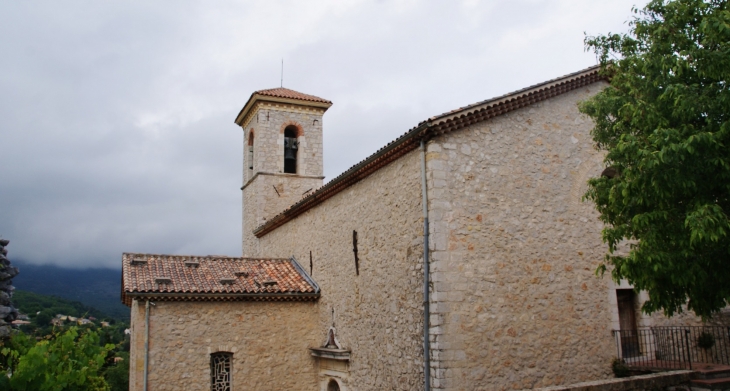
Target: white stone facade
[(267, 124), (515, 302), (378, 313), (268, 342), (514, 251), (267, 190)]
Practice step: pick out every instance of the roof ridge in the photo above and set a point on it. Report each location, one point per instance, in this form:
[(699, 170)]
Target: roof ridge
[(283, 92), (431, 127), (519, 91)]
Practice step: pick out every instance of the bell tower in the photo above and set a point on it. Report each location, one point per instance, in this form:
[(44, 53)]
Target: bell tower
[(282, 142)]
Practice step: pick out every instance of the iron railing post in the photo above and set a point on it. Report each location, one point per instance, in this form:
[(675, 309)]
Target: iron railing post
[(689, 352)]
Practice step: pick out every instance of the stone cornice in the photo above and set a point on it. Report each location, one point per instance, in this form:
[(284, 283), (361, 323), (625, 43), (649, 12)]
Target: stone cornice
[(250, 108)]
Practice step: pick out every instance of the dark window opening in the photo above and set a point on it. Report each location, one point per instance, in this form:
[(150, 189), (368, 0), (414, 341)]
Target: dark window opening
[(354, 250), (220, 371), (291, 145), (333, 386), (626, 299), (250, 150)]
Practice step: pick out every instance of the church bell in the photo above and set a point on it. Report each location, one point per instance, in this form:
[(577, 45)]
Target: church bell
[(290, 148)]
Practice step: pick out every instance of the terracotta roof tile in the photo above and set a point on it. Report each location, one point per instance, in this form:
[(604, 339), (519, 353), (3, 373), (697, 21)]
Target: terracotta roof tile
[(179, 277), (290, 94)]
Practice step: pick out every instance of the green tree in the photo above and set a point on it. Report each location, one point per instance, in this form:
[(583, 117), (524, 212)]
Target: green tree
[(42, 319), (70, 361), (664, 124), (117, 374)]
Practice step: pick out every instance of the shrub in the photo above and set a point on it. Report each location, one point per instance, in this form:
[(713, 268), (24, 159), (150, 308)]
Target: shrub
[(706, 340), (619, 367)]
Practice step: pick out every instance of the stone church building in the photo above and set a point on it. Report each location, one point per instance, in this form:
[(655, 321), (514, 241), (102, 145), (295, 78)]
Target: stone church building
[(329, 291)]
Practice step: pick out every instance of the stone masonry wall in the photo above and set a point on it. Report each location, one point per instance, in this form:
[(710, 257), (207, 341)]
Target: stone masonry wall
[(269, 342), (268, 123), (268, 195), (517, 303), (378, 314), (136, 347), (272, 191)]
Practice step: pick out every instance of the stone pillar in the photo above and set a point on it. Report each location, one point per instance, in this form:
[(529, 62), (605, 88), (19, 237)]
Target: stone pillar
[(8, 313)]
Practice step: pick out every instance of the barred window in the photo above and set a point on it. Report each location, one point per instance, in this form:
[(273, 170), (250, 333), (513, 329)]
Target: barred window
[(220, 371)]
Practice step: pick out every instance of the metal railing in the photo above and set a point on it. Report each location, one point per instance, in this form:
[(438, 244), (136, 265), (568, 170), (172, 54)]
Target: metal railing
[(673, 347)]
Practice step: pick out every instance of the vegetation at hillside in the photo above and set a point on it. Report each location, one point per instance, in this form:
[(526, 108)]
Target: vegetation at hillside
[(98, 288), (30, 303), (70, 360), (63, 354), (664, 123), (42, 309)]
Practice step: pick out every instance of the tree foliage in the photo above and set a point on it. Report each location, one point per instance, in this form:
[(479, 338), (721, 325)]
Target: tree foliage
[(664, 124), (71, 361)]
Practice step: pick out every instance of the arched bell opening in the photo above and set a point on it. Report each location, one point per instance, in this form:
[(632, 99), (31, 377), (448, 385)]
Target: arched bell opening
[(291, 146)]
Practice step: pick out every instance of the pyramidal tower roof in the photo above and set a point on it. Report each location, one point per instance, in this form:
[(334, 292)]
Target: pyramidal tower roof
[(282, 92), (281, 95)]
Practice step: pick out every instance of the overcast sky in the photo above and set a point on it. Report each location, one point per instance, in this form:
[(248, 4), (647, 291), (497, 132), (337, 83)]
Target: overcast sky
[(116, 118)]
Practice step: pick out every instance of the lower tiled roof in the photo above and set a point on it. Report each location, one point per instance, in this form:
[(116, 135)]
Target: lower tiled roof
[(181, 277)]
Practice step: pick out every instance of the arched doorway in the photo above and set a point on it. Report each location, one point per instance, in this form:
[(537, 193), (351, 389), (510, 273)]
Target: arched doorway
[(333, 385)]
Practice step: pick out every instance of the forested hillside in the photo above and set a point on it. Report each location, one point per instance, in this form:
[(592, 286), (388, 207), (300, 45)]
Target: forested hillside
[(97, 288), (31, 304)]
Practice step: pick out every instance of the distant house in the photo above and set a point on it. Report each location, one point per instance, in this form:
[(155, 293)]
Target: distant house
[(104, 324)]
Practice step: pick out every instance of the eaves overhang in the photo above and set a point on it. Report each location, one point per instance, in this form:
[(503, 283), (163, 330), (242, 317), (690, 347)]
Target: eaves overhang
[(258, 98), (165, 296)]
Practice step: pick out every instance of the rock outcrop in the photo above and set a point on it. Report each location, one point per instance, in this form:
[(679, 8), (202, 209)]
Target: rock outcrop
[(8, 313)]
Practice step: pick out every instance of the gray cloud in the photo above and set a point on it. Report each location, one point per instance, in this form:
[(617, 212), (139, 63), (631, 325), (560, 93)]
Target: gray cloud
[(116, 119)]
